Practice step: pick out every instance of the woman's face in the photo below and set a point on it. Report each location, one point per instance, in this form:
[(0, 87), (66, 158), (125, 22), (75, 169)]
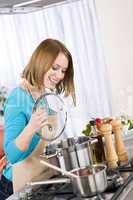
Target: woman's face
[(57, 72)]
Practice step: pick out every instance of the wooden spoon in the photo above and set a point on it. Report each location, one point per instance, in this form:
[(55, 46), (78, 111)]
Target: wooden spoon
[(69, 174)]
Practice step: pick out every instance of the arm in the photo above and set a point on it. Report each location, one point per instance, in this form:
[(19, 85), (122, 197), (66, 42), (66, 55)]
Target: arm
[(18, 136), (15, 121), (37, 121)]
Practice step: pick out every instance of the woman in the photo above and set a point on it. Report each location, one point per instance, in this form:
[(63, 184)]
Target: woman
[(51, 67)]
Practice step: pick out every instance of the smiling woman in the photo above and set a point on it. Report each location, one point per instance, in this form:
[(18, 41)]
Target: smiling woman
[(51, 67), (52, 59)]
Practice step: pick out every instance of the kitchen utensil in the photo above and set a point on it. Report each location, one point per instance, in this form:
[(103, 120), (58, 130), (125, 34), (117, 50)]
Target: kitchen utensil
[(89, 182), (119, 144), (48, 182), (67, 173), (83, 185), (56, 116), (69, 153), (110, 153)]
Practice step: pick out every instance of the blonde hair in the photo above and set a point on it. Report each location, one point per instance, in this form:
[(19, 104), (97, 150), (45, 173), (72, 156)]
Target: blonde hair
[(42, 60)]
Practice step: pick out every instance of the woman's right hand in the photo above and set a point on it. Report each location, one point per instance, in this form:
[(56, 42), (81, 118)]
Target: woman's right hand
[(38, 120)]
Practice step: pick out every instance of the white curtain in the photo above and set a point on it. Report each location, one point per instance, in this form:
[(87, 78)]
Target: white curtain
[(76, 25)]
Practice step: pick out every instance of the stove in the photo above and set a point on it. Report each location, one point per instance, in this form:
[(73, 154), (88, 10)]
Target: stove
[(120, 184)]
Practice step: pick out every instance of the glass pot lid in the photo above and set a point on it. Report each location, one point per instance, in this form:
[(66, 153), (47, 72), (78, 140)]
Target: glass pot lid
[(56, 115)]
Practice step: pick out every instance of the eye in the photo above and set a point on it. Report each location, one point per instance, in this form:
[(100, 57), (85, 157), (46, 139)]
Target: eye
[(64, 71), (55, 67)]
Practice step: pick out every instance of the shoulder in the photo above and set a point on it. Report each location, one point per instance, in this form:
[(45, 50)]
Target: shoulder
[(18, 96), (18, 99), (18, 92), (19, 102)]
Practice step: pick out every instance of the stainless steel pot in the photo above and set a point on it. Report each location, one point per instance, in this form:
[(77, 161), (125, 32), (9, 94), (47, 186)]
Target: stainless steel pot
[(86, 184), (70, 153)]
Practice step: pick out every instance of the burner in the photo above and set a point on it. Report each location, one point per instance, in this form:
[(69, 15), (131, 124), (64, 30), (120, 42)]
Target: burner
[(53, 192), (114, 179), (58, 192)]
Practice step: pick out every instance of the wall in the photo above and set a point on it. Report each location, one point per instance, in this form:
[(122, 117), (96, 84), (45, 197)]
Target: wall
[(116, 22)]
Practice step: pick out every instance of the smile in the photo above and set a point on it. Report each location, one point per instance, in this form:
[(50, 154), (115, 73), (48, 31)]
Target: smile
[(54, 82)]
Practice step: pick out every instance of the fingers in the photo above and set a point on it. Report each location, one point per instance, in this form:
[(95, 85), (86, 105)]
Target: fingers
[(44, 123), (39, 119), (42, 117)]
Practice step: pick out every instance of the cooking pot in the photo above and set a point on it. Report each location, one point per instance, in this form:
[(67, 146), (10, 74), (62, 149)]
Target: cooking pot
[(87, 183), (70, 153)]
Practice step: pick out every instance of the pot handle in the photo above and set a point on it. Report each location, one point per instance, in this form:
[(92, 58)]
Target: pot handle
[(52, 181), (48, 156)]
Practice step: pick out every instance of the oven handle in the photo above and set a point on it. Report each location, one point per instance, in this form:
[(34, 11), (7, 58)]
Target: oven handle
[(52, 181)]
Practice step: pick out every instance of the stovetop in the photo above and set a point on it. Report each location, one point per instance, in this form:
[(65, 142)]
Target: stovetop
[(118, 180), (60, 192)]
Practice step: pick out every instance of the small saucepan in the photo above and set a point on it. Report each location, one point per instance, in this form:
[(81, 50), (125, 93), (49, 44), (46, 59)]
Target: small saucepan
[(87, 183)]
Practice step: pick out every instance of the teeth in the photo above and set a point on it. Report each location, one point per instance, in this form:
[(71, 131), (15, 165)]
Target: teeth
[(53, 81)]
